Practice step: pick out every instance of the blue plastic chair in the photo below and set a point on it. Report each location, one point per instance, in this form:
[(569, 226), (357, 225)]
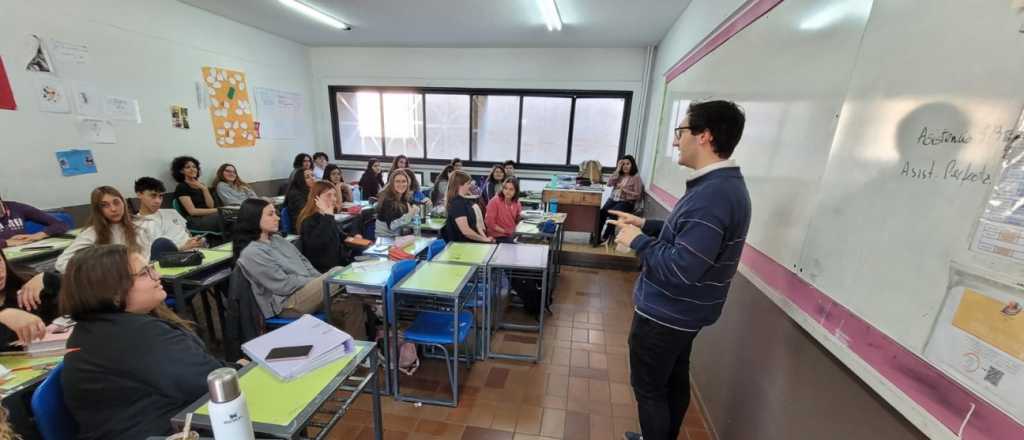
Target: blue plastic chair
[(177, 207), (32, 227), (435, 248), (53, 419), (286, 222), (278, 321)]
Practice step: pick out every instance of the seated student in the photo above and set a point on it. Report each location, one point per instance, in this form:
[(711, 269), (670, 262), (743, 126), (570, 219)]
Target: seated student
[(333, 175), (628, 187), (193, 196), (456, 164), (283, 281), (137, 364), (302, 161), (298, 192), (394, 205), (319, 164), (24, 314), (13, 216), (493, 184), (154, 223), (110, 222), (400, 162), (437, 195), (230, 187), (465, 222), (510, 168), (372, 181), (322, 242), (503, 212)]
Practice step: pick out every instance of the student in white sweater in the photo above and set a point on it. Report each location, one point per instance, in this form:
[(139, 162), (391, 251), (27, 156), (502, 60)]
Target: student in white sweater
[(155, 223), (110, 222)]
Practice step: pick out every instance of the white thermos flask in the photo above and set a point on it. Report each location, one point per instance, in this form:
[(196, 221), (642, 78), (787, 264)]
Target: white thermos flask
[(229, 414)]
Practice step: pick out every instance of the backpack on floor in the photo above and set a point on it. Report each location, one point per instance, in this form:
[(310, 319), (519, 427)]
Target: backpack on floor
[(529, 291)]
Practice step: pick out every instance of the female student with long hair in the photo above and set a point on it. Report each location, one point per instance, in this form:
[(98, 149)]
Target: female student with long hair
[(302, 161), (503, 212), (322, 241), (283, 281), (333, 174), (394, 204), (372, 180), (24, 317), (628, 187), (298, 192), (193, 196), (400, 162), (494, 182), (230, 187), (465, 222), (110, 222), (137, 363), (438, 194)]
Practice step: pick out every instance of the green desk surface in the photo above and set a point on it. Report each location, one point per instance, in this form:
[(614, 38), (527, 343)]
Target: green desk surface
[(276, 402), (527, 228), (15, 253), (437, 278), (210, 257), (371, 273), (22, 377), (466, 253), (434, 224)]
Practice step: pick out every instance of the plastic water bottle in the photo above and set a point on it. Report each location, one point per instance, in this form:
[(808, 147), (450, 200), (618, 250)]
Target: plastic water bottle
[(229, 414), (553, 205), (554, 182), (416, 224), (357, 194)]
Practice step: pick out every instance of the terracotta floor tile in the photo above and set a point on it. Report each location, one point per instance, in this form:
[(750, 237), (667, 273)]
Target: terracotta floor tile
[(601, 428), (497, 377), (698, 434), (620, 426), (553, 424), (622, 393), (578, 388), (558, 385), (577, 426), (553, 402), (432, 412), (598, 348), (589, 373), (579, 359), (529, 420), (345, 430), (359, 417), (482, 414), (580, 334), (505, 417), (600, 390), (599, 408), (400, 423), (561, 356), (578, 404), (626, 410), (598, 361), (477, 433), (367, 434)]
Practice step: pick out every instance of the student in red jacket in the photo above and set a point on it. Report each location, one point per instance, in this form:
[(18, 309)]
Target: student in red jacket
[(503, 212)]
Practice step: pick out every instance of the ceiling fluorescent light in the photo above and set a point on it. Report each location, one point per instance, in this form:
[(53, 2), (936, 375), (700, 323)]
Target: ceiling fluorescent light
[(551, 17), (313, 13)]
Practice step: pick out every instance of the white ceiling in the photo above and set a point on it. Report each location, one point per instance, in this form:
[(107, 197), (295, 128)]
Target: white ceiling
[(460, 23)]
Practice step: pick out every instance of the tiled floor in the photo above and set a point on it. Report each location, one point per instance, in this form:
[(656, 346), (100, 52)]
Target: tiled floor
[(580, 391)]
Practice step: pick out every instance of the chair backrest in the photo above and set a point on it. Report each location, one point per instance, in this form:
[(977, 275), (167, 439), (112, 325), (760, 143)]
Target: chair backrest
[(177, 207), (286, 222), (399, 271), (53, 419), (435, 248)]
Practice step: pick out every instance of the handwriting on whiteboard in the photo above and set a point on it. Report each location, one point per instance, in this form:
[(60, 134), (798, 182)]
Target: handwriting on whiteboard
[(930, 136), (962, 172)]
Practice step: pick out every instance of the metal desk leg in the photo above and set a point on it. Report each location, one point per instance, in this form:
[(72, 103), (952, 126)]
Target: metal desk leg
[(179, 297), (378, 423), (327, 300)]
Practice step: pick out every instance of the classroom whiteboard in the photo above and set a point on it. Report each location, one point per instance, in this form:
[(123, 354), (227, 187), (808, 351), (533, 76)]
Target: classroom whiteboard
[(872, 142), (279, 113)]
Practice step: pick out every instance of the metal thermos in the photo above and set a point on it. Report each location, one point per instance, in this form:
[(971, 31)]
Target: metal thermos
[(229, 414)]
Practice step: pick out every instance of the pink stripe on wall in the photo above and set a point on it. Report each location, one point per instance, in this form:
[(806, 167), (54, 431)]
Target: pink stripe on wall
[(746, 14), (926, 385)]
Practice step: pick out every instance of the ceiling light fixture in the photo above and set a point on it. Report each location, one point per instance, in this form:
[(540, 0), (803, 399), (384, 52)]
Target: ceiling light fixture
[(551, 17), (315, 14)]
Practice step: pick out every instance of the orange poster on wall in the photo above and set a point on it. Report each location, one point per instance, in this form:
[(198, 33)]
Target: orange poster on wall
[(230, 110)]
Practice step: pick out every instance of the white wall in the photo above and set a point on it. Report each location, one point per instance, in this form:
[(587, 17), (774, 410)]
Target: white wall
[(580, 69), (697, 21), (150, 50)]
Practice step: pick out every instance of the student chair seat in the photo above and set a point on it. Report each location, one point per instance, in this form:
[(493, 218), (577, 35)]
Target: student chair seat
[(435, 248), (53, 419), (278, 321), (177, 207), (32, 227)]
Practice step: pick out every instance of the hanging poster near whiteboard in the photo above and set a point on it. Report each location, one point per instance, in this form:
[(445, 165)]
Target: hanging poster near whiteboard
[(229, 107), (279, 113)]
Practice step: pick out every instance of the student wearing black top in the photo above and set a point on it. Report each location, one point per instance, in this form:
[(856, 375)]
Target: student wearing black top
[(372, 181), (137, 364), (322, 242), (302, 161), (298, 192), (510, 168), (194, 196), (24, 314), (493, 184), (465, 220)]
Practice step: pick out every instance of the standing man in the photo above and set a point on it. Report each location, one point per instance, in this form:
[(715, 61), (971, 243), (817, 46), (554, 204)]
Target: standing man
[(688, 263)]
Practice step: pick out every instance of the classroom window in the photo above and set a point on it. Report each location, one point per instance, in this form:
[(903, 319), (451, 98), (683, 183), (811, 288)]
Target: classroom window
[(542, 128), (447, 118), (545, 130), (495, 128), (597, 126)]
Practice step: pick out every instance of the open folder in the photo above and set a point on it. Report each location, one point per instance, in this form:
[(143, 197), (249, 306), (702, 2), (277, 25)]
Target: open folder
[(329, 344)]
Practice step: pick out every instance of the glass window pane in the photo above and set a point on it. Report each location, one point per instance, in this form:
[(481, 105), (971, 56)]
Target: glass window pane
[(495, 128), (403, 124), (359, 123), (447, 126), (597, 125), (545, 129)]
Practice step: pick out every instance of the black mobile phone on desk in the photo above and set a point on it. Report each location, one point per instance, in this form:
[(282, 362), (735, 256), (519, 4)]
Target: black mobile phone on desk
[(289, 353)]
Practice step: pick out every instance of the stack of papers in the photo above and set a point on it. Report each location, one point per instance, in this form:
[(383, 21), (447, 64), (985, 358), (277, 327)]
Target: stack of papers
[(51, 342), (329, 344)]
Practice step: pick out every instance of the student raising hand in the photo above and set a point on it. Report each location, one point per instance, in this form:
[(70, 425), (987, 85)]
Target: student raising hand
[(325, 204)]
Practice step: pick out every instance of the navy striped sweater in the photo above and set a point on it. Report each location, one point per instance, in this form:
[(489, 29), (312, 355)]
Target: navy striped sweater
[(690, 258)]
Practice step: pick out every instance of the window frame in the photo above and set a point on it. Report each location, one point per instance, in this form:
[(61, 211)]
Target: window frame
[(468, 160)]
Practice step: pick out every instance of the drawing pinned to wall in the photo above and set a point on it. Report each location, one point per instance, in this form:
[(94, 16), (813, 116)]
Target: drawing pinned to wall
[(40, 61), (229, 107), (68, 54), (96, 131), (202, 96), (122, 109), (76, 162), (6, 95), (52, 96), (86, 98), (179, 117)]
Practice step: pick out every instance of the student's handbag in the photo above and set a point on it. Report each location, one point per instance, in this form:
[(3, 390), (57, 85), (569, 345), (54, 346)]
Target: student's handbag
[(181, 259)]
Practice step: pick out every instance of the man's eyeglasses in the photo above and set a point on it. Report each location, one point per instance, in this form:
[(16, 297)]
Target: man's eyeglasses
[(149, 270), (679, 131)]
